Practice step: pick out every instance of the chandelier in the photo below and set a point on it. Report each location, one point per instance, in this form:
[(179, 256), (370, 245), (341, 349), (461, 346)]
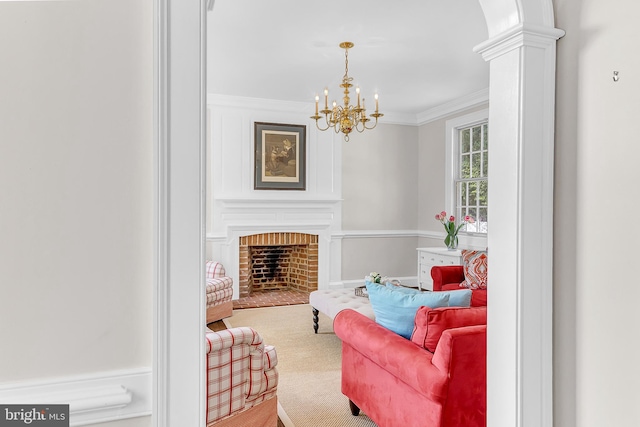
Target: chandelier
[(345, 118)]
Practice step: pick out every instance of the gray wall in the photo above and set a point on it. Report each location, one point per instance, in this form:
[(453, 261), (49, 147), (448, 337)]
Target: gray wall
[(379, 188), (595, 331), (76, 172), (379, 174), (431, 172)]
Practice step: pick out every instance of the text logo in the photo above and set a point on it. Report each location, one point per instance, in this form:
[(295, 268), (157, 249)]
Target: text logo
[(34, 415)]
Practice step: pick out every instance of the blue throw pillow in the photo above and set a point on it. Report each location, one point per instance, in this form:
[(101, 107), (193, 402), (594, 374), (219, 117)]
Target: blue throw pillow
[(403, 289), (396, 310), (457, 298)]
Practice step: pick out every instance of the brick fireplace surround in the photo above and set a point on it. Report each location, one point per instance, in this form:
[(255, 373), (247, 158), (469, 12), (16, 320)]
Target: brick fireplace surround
[(283, 261)]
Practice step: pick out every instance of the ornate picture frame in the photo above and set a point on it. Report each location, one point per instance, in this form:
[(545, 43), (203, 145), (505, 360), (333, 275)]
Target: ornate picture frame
[(280, 156)]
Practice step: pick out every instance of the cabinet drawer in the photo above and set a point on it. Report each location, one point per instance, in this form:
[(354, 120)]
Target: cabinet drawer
[(430, 257), (437, 259), (425, 272)]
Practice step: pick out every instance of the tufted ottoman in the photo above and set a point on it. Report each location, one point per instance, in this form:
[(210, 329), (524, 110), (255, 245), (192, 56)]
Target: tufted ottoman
[(331, 302)]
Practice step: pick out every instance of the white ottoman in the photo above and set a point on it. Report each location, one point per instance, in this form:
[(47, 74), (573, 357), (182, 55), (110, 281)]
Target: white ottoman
[(331, 302)]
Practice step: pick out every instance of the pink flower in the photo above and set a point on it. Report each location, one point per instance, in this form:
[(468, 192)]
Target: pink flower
[(438, 217), (452, 218), (443, 215), (469, 219)]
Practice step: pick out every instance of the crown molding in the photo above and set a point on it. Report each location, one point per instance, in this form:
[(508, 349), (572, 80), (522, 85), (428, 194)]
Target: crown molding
[(258, 103), (463, 103), (393, 118), (292, 107)]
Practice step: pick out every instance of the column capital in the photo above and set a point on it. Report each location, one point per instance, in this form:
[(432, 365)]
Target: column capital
[(516, 37)]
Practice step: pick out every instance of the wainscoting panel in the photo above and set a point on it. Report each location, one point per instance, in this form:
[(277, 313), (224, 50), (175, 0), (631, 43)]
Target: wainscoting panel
[(92, 399)]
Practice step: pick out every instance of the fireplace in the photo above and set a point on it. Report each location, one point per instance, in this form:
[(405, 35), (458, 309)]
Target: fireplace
[(278, 261)]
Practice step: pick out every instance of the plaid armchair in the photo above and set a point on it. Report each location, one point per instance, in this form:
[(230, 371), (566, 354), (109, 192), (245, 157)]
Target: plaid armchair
[(219, 289), (242, 379)]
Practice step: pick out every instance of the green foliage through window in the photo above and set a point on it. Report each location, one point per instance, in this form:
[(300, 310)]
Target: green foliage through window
[(471, 182)]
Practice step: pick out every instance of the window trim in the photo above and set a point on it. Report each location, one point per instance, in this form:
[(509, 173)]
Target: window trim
[(453, 126)]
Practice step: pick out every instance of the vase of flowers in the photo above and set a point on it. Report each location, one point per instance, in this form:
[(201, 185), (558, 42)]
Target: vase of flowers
[(374, 277), (450, 227)]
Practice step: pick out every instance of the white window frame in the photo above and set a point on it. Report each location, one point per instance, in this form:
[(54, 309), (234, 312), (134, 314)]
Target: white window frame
[(453, 127)]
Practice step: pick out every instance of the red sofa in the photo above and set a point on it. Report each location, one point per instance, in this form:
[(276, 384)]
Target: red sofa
[(398, 382), (449, 277)]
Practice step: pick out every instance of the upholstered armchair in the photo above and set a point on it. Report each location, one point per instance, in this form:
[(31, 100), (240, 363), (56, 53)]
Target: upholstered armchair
[(242, 379), (219, 292)]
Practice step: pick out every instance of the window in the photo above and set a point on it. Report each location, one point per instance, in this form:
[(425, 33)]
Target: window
[(468, 168)]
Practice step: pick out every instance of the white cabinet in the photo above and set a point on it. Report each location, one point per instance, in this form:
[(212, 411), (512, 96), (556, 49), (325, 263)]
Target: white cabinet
[(428, 257)]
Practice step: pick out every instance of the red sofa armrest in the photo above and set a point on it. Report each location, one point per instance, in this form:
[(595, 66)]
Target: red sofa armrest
[(467, 392), (446, 274)]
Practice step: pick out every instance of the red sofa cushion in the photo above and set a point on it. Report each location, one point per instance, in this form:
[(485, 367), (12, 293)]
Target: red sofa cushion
[(430, 323)]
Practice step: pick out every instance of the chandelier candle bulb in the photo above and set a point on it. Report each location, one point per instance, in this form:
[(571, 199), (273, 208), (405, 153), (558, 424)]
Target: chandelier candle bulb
[(317, 99), (358, 92), (326, 99), (376, 97)]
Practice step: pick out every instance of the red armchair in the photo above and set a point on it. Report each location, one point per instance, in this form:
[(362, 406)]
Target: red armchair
[(449, 277), (398, 382)]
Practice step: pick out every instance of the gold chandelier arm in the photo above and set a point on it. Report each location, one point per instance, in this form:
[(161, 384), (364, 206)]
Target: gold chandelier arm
[(328, 122), (319, 128), (365, 120)]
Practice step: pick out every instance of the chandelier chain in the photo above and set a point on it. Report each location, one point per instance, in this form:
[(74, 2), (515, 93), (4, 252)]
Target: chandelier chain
[(346, 64)]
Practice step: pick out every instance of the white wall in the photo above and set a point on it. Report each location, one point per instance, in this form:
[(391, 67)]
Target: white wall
[(76, 152), (236, 209), (364, 189), (595, 290)]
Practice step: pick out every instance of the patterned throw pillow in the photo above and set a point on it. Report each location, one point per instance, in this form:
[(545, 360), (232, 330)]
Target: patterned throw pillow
[(475, 269)]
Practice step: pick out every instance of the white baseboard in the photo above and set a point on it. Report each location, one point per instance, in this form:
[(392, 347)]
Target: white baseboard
[(95, 398)]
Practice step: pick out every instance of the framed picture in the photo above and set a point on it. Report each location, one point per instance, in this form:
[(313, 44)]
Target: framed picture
[(280, 156)]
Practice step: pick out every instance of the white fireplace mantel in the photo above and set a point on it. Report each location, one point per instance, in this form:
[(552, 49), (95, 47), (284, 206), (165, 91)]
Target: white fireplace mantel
[(236, 217)]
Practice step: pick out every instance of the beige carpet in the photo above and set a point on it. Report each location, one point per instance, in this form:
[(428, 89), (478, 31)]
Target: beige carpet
[(309, 365)]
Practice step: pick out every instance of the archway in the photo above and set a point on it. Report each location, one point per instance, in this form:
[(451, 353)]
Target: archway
[(521, 52)]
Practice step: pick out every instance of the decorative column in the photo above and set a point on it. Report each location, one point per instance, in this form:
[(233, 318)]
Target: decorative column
[(519, 333)]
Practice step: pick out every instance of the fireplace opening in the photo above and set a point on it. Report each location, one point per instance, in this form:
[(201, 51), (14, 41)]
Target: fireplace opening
[(278, 267), (278, 261)]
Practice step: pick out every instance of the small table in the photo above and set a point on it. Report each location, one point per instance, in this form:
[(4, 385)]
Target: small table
[(333, 301)]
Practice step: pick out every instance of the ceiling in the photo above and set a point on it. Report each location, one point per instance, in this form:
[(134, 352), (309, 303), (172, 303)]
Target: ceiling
[(416, 54)]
